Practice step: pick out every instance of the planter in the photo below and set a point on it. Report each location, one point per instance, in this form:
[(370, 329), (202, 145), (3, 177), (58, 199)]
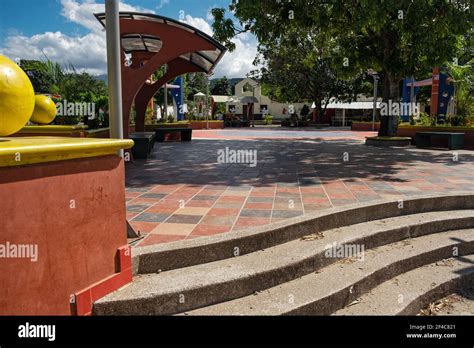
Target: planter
[(410, 131), (152, 127), (388, 141), (364, 126), (204, 125), (74, 189)]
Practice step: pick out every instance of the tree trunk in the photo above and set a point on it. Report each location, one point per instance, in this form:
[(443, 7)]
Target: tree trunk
[(389, 123)]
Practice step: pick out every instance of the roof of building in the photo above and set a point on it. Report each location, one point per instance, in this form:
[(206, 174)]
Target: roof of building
[(353, 105), (205, 60)]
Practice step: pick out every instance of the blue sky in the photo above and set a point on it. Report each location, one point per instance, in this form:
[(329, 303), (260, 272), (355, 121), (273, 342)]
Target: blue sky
[(67, 32)]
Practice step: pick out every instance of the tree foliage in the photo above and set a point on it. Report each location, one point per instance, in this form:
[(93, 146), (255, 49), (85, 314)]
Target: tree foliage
[(196, 83), (395, 38), (296, 69), (221, 87)]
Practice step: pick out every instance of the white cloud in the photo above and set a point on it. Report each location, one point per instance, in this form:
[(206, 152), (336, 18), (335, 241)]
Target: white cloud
[(82, 13), (234, 64), (88, 52), (162, 3)]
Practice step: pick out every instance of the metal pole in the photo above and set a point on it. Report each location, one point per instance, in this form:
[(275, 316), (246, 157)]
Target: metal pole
[(376, 80), (207, 101), (166, 95), (114, 72)]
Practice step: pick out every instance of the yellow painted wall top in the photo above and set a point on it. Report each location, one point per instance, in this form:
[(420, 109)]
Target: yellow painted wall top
[(30, 150), (52, 128)]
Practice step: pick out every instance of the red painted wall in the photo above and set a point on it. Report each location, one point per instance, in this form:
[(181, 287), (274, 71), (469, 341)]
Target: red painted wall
[(364, 126), (77, 247), (203, 124)]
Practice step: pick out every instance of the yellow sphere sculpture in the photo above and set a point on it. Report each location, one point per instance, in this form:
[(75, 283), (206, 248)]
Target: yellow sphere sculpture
[(45, 110), (17, 97)]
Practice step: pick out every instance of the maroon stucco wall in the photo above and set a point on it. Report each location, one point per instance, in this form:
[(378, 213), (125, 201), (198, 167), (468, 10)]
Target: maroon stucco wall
[(77, 247)]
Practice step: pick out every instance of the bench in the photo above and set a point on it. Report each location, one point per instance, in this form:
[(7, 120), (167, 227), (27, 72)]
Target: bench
[(144, 143), (425, 139), (186, 133)]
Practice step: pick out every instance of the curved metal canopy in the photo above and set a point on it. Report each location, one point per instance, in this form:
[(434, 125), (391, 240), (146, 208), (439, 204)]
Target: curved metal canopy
[(139, 42)]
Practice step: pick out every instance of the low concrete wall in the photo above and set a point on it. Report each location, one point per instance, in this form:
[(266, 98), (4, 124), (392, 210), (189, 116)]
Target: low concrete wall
[(152, 127), (364, 126), (204, 125), (73, 212)]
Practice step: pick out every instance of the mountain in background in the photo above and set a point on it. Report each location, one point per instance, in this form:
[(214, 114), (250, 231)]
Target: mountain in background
[(102, 77)]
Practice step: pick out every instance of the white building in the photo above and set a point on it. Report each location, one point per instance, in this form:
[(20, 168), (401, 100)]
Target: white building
[(250, 88), (337, 113)]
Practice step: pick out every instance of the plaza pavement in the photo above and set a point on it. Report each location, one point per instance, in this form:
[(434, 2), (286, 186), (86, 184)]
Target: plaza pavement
[(182, 192)]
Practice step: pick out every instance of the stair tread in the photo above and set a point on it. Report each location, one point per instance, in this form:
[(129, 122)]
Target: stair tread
[(385, 299), (189, 252), (149, 285), (339, 276)]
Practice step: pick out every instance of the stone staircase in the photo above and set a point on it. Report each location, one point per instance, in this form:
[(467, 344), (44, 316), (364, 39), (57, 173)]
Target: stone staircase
[(390, 257)]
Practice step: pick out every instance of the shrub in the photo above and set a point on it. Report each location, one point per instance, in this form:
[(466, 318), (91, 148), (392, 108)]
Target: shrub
[(457, 121), (170, 119), (268, 120), (304, 111), (67, 120), (425, 119)]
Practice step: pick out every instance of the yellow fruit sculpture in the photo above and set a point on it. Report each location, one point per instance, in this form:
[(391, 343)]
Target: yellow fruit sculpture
[(45, 110), (17, 97)]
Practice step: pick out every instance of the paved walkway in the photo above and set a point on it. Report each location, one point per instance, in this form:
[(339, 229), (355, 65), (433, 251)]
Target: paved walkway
[(182, 191)]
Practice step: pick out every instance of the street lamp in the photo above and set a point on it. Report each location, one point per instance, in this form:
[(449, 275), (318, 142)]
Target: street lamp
[(209, 74), (375, 76)]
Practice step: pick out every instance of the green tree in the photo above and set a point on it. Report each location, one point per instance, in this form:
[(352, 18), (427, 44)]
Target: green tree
[(74, 86), (296, 69), (463, 76), (221, 87), (44, 75), (396, 38), (196, 82)]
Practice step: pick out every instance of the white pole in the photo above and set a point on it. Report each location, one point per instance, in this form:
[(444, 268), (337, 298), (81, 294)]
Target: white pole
[(207, 101), (114, 72), (166, 95), (376, 80)]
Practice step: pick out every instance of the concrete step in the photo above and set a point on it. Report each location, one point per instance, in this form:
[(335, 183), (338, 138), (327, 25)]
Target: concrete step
[(201, 285), (339, 284), (410, 292), (169, 256)]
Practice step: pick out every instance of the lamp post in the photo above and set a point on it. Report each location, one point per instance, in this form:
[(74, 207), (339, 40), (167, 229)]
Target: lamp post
[(114, 72), (209, 74), (166, 95), (375, 76)]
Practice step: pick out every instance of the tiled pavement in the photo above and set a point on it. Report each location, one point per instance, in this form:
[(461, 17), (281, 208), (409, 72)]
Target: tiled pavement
[(182, 192)]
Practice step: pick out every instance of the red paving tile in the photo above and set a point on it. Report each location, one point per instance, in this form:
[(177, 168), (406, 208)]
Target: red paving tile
[(262, 194), (218, 220), (161, 209), (232, 199), (143, 227), (197, 203), (251, 221), (258, 206), (223, 212), (209, 230)]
